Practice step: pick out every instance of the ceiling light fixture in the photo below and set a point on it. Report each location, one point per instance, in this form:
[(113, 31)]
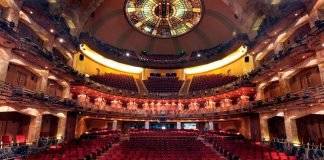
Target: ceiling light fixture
[(61, 40)]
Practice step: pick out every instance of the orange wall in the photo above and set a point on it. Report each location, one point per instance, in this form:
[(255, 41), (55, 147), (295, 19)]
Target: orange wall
[(88, 66), (239, 67)]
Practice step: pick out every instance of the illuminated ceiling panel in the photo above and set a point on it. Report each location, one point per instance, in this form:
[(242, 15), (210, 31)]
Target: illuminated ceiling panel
[(164, 18)]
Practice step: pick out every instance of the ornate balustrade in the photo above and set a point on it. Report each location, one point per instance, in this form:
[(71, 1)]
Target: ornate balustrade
[(304, 98)]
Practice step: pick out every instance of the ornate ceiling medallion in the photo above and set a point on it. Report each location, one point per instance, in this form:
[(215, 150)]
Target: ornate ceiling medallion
[(164, 18)]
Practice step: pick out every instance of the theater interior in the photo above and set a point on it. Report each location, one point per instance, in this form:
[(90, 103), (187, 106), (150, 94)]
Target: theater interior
[(161, 79)]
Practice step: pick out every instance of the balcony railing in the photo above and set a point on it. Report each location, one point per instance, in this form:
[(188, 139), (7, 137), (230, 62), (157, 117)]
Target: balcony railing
[(306, 97)]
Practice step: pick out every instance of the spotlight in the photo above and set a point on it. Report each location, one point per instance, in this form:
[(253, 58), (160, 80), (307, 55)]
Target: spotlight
[(52, 30), (127, 54), (61, 40), (198, 55), (31, 12), (234, 33)]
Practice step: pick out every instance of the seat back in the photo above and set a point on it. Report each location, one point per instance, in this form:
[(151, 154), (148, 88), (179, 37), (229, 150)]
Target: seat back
[(21, 139), (6, 140)]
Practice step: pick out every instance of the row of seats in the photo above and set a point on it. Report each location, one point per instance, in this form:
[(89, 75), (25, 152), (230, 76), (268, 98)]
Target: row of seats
[(167, 146), (205, 82), (80, 149), (163, 84), (245, 150), (163, 134), (117, 81), (7, 140)]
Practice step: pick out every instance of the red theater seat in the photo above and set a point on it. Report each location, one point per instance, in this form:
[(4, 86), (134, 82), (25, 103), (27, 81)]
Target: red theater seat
[(6, 140), (21, 139)]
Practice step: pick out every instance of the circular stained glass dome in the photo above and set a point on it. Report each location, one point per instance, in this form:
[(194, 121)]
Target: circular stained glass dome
[(164, 18)]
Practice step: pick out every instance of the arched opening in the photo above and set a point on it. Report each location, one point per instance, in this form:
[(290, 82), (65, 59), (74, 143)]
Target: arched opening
[(309, 77), (272, 90), (276, 127), (60, 56), (49, 126), (311, 128), (97, 124), (29, 34), (54, 88), (20, 76), (14, 126)]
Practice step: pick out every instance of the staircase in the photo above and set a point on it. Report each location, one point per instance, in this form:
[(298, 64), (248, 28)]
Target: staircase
[(185, 87), (141, 87)]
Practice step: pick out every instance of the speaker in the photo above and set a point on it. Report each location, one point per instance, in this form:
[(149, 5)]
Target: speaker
[(81, 57), (247, 59)]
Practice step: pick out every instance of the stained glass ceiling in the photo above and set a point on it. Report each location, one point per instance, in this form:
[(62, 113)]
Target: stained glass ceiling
[(164, 18)]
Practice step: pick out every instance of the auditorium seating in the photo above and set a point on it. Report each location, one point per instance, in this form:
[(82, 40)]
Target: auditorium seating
[(205, 82), (88, 147), (228, 146), (117, 81), (174, 145), (163, 84)]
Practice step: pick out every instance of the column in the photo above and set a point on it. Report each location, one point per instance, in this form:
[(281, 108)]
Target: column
[(43, 81), (291, 130), (66, 92), (4, 62), (61, 128), (34, 128), (147, 124), (265, 136), (210, 125), (260, 92), (179, 125), (114, 126), (284, 83), (321, 70), (320, 60), (80, 126)]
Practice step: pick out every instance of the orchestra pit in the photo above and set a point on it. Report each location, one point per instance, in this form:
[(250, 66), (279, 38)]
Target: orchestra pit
[(161, 79)]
